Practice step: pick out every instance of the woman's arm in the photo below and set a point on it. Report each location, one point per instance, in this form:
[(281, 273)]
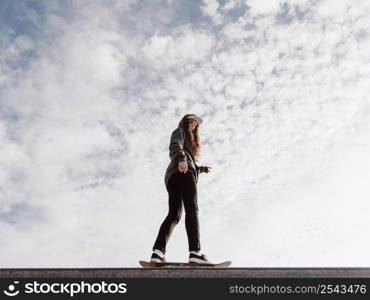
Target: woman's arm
[(205, 169), (177, 146)]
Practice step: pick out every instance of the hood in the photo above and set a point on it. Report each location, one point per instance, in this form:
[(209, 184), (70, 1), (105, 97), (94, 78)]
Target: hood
[(182, 123)]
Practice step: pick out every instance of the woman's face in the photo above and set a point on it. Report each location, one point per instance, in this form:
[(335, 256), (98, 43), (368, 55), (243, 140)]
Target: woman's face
[(192, 124)]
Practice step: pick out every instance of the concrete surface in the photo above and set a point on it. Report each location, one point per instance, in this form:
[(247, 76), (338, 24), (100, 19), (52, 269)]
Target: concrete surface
[(186, 273)]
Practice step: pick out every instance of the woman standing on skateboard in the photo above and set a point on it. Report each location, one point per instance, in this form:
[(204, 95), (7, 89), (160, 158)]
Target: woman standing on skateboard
[(181, 183)]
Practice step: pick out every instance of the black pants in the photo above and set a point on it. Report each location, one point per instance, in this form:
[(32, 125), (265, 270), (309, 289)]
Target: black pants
[(181, 188)]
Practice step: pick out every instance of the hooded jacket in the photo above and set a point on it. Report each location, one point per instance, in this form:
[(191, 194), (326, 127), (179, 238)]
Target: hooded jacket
[(181, 150)]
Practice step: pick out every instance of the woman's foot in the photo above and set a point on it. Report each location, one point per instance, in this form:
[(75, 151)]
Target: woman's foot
[(157, 257), (198, 258)]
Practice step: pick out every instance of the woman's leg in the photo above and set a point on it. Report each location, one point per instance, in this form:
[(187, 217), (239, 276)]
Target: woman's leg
[(174, 213), (189, 193)]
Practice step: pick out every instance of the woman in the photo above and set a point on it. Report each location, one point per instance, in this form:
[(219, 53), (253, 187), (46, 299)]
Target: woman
[(181, 183)]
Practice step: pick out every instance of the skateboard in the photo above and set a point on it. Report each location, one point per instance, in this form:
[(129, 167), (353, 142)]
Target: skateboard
[(147, 264)]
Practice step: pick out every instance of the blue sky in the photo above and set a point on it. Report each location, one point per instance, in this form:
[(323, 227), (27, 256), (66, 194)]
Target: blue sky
[(90, 92)]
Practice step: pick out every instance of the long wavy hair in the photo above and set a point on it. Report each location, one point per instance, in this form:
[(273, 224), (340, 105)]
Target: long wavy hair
[(194, 139)]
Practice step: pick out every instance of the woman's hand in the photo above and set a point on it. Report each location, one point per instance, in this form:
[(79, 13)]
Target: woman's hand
[(207, 169), (183, 166)]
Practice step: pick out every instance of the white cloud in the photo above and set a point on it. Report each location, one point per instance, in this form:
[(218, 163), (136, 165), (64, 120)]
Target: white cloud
[(330, 9), (210, 9), (263, 7), (186, 47)]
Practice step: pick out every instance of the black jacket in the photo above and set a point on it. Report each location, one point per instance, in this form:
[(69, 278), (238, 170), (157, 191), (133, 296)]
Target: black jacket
[(181, 150)]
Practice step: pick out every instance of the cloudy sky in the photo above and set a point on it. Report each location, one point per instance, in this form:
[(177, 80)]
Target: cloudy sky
[(90, 92)]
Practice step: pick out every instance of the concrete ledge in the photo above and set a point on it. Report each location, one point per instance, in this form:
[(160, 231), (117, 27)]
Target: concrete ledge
[(187, 273)]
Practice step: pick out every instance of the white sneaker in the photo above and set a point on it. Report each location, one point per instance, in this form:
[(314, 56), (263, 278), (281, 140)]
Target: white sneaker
[(157, 259), (198, 259)]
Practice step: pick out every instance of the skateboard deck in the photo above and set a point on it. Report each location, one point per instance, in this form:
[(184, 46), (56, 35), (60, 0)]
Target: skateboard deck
[(147, 264)]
